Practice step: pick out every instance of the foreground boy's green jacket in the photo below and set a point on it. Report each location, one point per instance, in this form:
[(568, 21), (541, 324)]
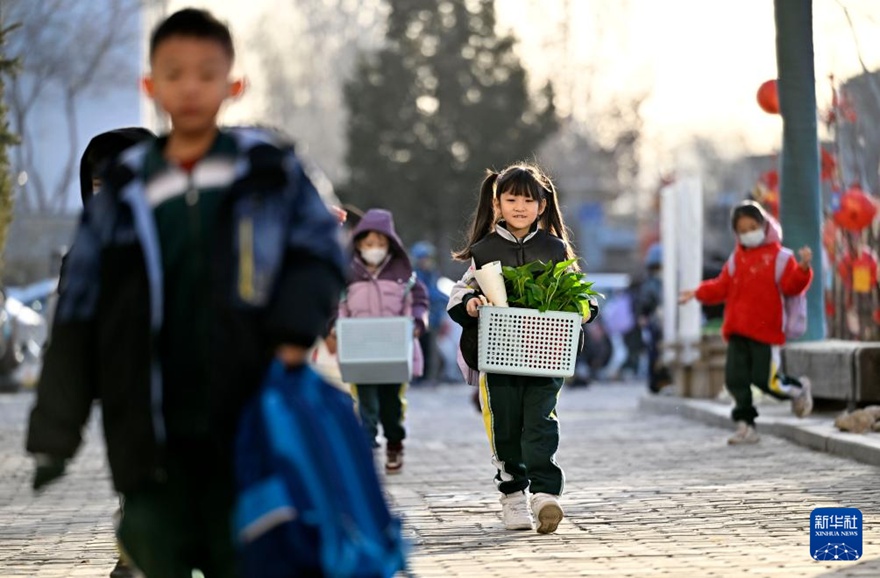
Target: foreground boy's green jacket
[(154, 342)]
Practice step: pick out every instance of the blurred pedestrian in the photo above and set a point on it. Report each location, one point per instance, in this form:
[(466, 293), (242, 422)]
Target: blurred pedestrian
[(424, 257), (648, 306), (383, 284), (713, 313), (618, 320), (206, 254), (753, 316), (635, 363)]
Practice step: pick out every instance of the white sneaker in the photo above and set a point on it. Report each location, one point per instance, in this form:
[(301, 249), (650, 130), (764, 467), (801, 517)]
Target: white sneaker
[(515, 511), (745, 434), (547, 511), (802, 403)]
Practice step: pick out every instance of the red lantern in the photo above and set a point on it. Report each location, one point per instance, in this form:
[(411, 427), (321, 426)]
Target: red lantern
[(829, 237), (864, 272), (876, 316), (766, 192), (856, 211), (770, 178), (770, 201), (859, 272), (768, 97), (829, 165)]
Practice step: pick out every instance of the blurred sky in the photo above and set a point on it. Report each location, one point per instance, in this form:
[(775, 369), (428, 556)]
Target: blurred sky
[(700, 62)]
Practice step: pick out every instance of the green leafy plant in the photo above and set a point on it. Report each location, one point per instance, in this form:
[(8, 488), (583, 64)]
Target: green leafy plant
[(548, 287)]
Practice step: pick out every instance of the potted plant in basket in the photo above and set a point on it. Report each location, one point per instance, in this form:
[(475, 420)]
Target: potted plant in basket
[(538, 332), (548, 287)]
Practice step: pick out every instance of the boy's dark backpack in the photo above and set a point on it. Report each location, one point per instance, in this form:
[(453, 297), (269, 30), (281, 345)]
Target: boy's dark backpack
[(309, 500)]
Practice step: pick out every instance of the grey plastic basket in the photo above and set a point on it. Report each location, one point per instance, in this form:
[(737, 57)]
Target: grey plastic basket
[(527, 342), (375, 349)]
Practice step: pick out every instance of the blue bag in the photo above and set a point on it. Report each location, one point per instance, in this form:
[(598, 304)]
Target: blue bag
[(309, 500)]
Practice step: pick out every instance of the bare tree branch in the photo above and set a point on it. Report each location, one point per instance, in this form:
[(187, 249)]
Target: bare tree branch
[(875, 89), (308, 50), (69, 48), (75, 85)]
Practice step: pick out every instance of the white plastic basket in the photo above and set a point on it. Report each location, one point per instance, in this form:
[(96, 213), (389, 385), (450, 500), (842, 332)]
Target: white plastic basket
[(519, 341), (375, 349)]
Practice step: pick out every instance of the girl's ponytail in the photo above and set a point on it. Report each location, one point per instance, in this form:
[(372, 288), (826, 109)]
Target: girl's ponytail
[(551, 220), (483, 219)]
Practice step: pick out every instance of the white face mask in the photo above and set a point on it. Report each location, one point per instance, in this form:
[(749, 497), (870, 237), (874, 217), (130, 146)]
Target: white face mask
[(752, 238), (374, 256)]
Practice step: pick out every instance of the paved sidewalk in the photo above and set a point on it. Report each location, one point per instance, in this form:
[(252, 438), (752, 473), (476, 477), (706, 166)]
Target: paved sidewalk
[(816, 431), (65, 531), (648, 495)]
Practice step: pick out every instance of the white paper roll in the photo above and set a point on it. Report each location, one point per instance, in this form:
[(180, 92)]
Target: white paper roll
[(491, 283)]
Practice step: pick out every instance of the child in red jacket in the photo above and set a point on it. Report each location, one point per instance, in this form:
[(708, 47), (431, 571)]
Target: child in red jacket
[(753, 316)]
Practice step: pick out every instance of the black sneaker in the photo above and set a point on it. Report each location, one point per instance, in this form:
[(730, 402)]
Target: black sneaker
[(394, 458)]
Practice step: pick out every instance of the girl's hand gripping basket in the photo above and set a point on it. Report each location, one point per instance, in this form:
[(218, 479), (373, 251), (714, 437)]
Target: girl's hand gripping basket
[(375, 349), (519, 341)]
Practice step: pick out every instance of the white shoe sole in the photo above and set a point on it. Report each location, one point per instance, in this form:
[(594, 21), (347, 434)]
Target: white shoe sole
[(743, 441), (519, 526), (802, 406), (549, 518)]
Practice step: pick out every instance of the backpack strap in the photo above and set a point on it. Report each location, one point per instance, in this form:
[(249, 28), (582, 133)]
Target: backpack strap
[(782, 258), (794, 313)]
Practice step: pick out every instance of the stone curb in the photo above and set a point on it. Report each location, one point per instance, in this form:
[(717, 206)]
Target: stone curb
[(816, 432)]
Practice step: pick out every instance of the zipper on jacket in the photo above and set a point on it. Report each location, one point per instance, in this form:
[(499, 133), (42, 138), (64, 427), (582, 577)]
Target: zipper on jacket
[(374, 279), (192, 198), (192, 202), (246, 288)]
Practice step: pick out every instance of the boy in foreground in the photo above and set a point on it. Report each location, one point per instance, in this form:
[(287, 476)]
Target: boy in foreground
[(207, 254)]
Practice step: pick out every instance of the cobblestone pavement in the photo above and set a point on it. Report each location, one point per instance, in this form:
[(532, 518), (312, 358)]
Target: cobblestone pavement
[(67, 530), (647, 495)]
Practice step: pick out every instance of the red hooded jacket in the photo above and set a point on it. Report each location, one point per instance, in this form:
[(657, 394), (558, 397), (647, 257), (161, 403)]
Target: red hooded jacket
[(753, 306)]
